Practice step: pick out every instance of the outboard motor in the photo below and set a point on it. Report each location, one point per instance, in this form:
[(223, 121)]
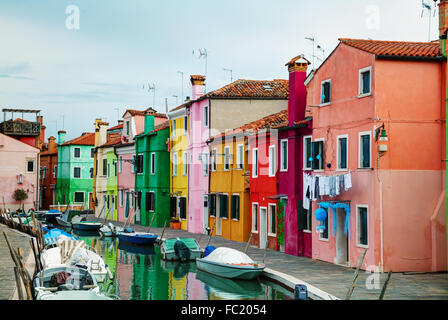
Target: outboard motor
[(182, 251)]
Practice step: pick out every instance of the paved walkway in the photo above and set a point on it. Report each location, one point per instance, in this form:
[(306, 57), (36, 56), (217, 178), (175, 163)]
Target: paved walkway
[(331, 278), (7, 278)]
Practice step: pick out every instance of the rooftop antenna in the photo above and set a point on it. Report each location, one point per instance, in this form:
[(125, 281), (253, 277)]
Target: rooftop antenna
[(174, 96), (231, 73), (182, 96), (323, 52), (202, 53), (153, 88), (313, 41), (428, 7)]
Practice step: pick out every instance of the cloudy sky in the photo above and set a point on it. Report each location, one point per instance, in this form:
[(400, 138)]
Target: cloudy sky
[(99, 70)]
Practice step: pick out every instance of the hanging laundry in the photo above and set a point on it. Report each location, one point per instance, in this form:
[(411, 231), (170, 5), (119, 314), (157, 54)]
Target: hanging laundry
[(306, 191), (347, 181)]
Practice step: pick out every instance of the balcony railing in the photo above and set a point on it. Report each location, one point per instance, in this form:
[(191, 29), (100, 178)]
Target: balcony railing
[(20, 128)]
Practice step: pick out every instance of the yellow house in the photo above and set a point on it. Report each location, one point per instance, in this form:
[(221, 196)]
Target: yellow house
[(179, 164), (229, 197)]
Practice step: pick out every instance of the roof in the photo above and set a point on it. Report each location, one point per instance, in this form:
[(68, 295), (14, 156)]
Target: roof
[(243, 88), (87, 139), (143, 112), (112, 142), (300, 123), (159, 127), (179, 107), (269, 121), (395, 48), (119, 126)]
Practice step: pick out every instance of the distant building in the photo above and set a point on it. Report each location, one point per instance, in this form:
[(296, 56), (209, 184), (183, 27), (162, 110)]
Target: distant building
[(48, 173)]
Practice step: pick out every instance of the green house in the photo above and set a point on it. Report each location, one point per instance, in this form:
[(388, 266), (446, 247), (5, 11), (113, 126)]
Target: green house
[(75, 170), (152, 173)]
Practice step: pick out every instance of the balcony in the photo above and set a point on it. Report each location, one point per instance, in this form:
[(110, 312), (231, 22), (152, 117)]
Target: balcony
[(20, 127)]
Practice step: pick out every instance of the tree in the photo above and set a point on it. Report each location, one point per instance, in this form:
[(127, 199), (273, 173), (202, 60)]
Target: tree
[(20, 195)]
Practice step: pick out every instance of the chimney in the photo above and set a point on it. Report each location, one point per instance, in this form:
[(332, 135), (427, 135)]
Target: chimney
[(52, 144), (61, 136), (149, 121), (198, 84), (443, 25), (297, 90)]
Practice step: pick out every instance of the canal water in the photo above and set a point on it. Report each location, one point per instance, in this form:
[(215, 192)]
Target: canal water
[(139, 273)]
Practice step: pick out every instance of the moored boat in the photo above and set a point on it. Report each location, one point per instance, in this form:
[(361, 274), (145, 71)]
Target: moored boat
[(184, 249), (110, 230), (139, 238), (87, 225), (51, 236), (230, 263)]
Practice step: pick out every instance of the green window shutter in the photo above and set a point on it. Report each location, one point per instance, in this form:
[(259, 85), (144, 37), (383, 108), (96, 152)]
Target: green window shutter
[(301, 215)]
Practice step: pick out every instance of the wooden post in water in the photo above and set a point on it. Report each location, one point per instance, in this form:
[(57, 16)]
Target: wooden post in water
[(211, 233), (355, 277), (163, 231), (383, 290), (18, 283), (36, 260), (150, 225), (248, 243), (265, 248)]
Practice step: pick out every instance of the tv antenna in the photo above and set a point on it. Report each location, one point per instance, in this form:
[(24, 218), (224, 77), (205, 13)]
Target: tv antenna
[(182, 96), (323, 52), (231, 73), (174, 96), (153, 89), (431, 12), (313, 41), (202, 53)]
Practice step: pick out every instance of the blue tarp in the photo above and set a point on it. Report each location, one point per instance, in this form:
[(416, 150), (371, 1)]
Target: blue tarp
[(52, 235)]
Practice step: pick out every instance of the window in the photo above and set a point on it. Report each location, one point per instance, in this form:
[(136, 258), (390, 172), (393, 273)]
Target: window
[(272, 227), (205, 163), (362, 226), (324, 235), (185, 163), (150, 201), (214, 160), (20, 179), (364, 149), (92, 153), (174, 164), (77, 152), (79, 197), (115, 168), (317, 150), (325, 92), (153, 163), (108, 170), (255, 163), (240, 156), (132, 199), (212, 205), (235, 207), (206, 116), (44, 172), (226, 158), (55, 171), (173, 207), (104, 167), (365, 81), (120, 164), (91, 173), (76, 172), (272, 161), (224, 206), (255, 217), (185, 125), (284, 155), (174, 128), (121, 198), (127, 128), (307, 155), (342, 152), (140, 163), (183, 208), (30, 166)]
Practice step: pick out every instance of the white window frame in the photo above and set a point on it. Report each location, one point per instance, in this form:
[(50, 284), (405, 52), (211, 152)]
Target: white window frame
[(270, 233), (121, 198), (206, 116), (360, 82), (80, 173), (255, 163), (173, 128), (185, 125), (153, 163), (240, 157), (364, 133), (338, 155), (34, 165), (321, 104), (83, 195), (74, 152), (175, 164), (128, 127), (108, 169), (272, 164), (91, 172), (44, 169), (305, 160), (214, 159), (358, 226), (239, 206), (55, 174), (257, 217), (318, 140), (227, 158), (205, 166), (184, 163), (120, 164), (92, 155), (282, 155), (328, 231)]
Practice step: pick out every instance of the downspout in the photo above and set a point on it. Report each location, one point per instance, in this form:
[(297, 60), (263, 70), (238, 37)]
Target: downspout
[(443, 41)]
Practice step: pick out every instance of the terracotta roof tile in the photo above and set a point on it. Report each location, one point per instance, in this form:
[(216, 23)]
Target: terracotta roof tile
[(119, 126), (243, 88), (395, 48), (87, 139), (112, 142), (179, 107), (143, 112)]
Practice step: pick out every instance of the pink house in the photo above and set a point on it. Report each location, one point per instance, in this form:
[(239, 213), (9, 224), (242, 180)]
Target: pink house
[(377, 110), (19, 163)]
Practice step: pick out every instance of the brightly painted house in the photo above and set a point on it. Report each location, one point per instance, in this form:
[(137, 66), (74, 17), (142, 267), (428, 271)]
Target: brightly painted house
[(179, 164), (294, 139), (48, 174), (263, 146), (245, 101), (18, 170), (99, 188), (377, 109), (152, 167), (75, 170)]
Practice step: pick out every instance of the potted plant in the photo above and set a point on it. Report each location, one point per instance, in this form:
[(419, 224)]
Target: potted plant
[(175, 224), (20, 195), (281, 226)]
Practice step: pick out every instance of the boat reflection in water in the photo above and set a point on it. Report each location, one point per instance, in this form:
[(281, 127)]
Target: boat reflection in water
[(140, 273)]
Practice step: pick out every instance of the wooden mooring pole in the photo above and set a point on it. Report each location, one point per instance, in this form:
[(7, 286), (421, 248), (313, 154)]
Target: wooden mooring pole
[(211, 233), (355, 277), (248, 243), (383, 290)]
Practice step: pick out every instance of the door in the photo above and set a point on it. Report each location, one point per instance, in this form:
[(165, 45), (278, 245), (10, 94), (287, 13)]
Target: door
[(342, 253), (205, 215), (218, 218), (173, 207), (263, 229)]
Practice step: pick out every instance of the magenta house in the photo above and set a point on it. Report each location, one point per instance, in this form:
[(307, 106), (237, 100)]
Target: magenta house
[(294, 145)]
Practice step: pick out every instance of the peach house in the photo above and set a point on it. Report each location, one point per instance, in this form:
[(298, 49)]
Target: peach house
[(377, 109)]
